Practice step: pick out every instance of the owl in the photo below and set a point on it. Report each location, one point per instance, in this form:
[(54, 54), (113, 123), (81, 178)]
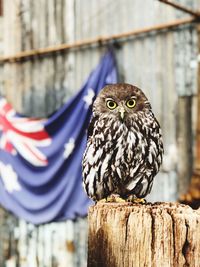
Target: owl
[(124, 146)]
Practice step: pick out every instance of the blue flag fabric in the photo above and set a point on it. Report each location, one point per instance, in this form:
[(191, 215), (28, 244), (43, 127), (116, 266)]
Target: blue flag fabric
[(40, 160)]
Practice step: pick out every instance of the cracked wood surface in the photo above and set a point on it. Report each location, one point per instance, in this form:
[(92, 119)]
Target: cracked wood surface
[(136, 235)]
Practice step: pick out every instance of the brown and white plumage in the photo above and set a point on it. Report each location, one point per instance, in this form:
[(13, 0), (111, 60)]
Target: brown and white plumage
[(124, 147)]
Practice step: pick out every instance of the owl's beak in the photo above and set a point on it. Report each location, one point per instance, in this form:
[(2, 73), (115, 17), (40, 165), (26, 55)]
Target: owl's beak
[(122, 113)]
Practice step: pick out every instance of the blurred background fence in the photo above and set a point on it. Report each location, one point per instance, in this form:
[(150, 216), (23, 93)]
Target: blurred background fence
[(163, 63)]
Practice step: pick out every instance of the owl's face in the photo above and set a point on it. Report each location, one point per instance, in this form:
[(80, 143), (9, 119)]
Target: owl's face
[(120, 101)]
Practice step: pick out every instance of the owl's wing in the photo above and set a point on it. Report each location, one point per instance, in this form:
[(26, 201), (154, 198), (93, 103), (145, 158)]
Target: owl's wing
[(91, 127)]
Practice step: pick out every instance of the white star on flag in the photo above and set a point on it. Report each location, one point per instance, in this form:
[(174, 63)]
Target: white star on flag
[(9, 178), (88, 99), (69, 147)]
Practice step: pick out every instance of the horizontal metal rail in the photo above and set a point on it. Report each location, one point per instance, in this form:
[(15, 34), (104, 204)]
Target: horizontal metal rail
[(103, 40)]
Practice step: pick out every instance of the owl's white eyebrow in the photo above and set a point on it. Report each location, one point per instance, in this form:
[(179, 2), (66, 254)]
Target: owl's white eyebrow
[(109, 98), (134, 97)]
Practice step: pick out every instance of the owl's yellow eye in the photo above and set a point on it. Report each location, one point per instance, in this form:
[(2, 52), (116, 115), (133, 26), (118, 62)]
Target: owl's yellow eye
[(111, 104), (131, 103)]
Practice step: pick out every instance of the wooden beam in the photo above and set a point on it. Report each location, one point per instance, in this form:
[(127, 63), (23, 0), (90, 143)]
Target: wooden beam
[(103, 40), (160, 234), (197, 162), (184, 142), (182, 8), (192, 196)]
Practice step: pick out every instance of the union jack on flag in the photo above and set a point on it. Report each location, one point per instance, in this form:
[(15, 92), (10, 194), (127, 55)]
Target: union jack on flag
[(40, 160), (22, 135)]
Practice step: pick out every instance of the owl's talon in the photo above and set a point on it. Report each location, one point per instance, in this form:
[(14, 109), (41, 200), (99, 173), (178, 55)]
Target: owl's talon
[(112, 198), (136, 200), (115, 198)]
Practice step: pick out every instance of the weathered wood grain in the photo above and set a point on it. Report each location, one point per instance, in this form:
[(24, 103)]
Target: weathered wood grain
[(151, 235)]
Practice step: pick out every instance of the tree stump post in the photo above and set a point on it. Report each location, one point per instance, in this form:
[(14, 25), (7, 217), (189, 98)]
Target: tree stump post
[(150, 235)]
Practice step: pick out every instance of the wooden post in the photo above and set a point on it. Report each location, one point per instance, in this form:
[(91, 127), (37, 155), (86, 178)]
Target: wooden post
[(136, 235)]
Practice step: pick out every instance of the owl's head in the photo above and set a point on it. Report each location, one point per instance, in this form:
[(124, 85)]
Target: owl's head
[(121, 100)]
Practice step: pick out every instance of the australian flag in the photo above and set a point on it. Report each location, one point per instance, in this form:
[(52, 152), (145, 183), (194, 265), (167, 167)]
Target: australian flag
[(40, 160)]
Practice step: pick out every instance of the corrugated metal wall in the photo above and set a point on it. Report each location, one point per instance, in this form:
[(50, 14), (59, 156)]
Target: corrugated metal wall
[(61, 244), (162, 64)]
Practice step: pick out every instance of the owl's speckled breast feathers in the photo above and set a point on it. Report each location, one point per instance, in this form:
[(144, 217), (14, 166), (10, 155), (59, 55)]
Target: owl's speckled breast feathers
[(124, 147)]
